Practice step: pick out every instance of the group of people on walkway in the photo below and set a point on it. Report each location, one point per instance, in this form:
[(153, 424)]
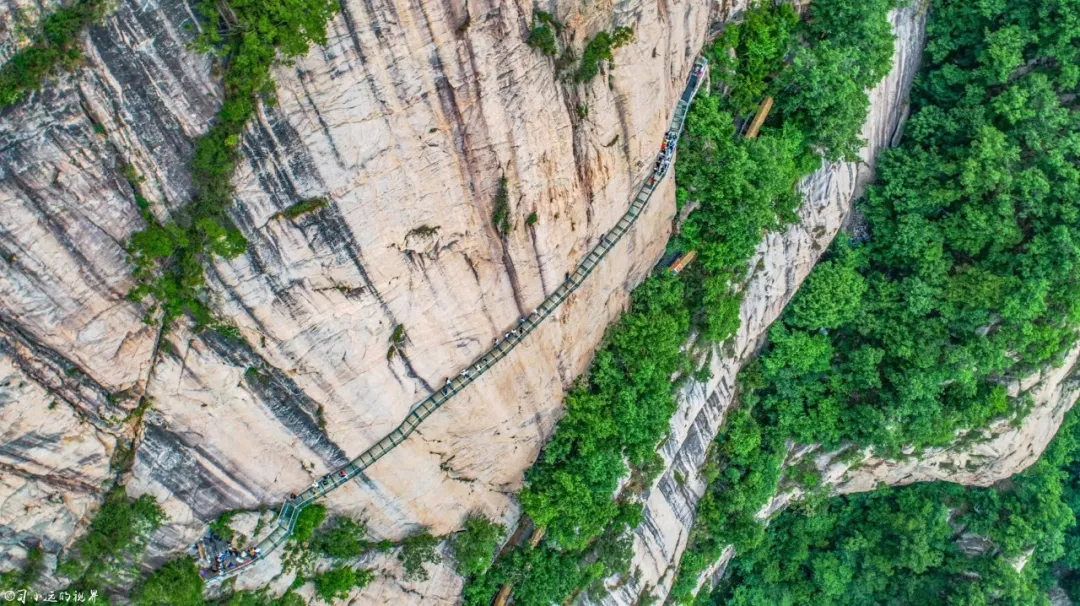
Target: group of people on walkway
[(663, 161), (476, 368), (228, 559), (223, 557)]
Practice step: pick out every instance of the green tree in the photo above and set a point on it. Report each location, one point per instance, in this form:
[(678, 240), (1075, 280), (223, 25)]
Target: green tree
[(343, 540), (417, 550), (307, 522), (116, 535), (177, 583), (338, 582), (830, 297), (474, 547), (53, 49)]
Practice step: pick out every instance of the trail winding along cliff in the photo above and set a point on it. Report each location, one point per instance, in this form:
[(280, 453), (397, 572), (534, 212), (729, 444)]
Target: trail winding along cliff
[(405, 123)]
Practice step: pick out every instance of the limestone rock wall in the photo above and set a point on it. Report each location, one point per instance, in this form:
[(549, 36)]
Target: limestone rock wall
[(405, 122)]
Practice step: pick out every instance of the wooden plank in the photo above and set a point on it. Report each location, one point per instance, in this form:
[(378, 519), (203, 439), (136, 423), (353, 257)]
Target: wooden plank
[(759, 119)]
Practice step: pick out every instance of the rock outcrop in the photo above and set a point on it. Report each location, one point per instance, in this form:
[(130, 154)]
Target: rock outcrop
[(977, 458), (406, 121)]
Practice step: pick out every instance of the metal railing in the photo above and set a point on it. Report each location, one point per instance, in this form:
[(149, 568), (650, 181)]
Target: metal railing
[(286, 519)]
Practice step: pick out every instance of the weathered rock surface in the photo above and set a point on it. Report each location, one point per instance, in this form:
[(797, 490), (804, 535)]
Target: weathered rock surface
[(405, 122), (52, 461)]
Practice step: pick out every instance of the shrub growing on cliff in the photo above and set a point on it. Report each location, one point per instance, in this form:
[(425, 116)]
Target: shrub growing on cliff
[(307, 522), (338, 582), (304, 207), (416, 551), (600, 49), (54, 48), (500, 214), (115, 539), (177, 583), (220, 527), (344, 539), (474, 547), (542, 38)]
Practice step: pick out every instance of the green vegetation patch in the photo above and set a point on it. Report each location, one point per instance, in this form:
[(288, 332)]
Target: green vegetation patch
[(343, 539), (115, 539), (55, 48), (303, 208), (220, 527), (600, 49), (965, 282), (901, 545), (474, 547), (542, 38), (177, 583), (416, 551), (500, 214), (615, 416), (543, 35), (307, 522), (169, 259), (966, 279), (338, 582)]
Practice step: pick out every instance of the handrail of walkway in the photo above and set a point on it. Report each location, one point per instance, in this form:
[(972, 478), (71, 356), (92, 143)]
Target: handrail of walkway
[(286, 519)]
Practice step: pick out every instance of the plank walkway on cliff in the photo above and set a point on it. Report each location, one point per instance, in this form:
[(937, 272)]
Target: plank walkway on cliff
[(285, 522)]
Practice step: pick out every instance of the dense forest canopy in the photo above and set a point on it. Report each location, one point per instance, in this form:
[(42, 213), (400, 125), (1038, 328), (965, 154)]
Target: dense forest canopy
[(910, 337), (967, 279), (924, 544)]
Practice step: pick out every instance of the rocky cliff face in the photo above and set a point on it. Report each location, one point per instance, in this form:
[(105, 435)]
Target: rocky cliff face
[(405, 122)]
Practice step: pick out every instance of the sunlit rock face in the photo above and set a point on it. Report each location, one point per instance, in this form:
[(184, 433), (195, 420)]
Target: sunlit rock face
[(405, 122)]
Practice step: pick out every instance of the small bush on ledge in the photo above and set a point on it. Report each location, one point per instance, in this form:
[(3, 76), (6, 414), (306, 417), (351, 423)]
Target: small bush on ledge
[(302, 208)]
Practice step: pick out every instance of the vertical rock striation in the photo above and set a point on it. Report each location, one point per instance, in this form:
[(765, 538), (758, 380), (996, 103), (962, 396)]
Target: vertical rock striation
[(406, 121)]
